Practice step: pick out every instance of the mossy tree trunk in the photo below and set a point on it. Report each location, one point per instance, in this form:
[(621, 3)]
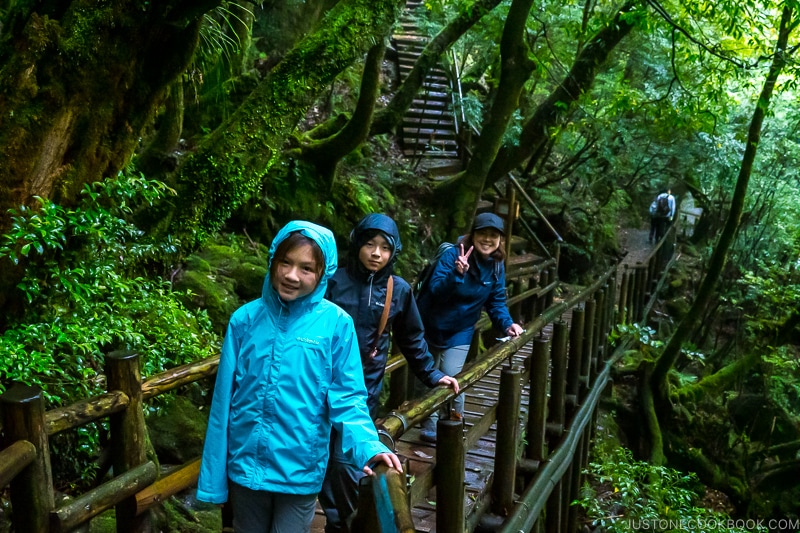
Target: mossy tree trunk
[(81, 80), (388, 118), (547, 115), (515, 68), (658, 379), (230, 164), (326, 153)]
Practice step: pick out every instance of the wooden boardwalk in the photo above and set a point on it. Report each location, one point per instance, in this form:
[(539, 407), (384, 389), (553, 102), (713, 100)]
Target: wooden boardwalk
[(480, 401)]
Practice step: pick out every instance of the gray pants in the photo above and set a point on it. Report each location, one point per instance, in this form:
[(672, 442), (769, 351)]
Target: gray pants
[(258, 511), (450, 361)]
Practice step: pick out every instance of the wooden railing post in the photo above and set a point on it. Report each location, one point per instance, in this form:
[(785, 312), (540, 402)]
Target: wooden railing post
[(532, 303), (574, 361), (516, 309), (399, 386), (505, 457), (537, 399), (541, 301), (449, 473), (588, 344), (597, 343), (32, 488), (551, 277), (622, 310), (127, 432), (558, 382)]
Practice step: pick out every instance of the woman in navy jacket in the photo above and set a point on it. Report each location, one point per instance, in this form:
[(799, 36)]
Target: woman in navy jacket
[(360, 288), (468, 278)]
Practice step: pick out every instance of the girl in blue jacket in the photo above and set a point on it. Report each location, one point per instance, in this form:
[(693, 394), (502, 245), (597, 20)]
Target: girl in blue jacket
[(468, 278), (289, 371), (361, 289)]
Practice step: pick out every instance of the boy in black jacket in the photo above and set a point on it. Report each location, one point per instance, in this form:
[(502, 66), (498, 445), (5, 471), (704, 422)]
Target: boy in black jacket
[(360, 288)]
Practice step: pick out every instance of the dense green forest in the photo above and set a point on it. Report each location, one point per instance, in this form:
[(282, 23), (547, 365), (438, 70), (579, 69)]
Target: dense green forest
[(149, 151)]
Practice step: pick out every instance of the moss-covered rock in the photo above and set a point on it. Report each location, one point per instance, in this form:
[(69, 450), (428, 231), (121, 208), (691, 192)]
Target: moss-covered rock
[(249, 280), (177, 431), (212, 292)]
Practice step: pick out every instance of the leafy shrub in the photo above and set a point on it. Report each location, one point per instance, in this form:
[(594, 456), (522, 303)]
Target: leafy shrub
[(625, 495), (88, 294)]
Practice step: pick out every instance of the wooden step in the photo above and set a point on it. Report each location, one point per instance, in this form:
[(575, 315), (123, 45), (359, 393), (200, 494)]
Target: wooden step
[(430, 103), (429, 144), (429, 117), (516, 262), (520, 244), (438, 122), (410, 39), (437, 154), (444, 167), (436, 133)]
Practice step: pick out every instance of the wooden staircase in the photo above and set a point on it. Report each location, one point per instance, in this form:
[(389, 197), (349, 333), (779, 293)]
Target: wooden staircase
[(429, 129)]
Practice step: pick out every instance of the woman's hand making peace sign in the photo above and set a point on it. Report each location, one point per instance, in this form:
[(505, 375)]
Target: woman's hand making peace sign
[(462, 261)]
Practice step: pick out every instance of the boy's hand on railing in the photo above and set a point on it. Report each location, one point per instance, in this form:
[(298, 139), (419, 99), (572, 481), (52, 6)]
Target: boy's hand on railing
[(449, 381), (389, 459)]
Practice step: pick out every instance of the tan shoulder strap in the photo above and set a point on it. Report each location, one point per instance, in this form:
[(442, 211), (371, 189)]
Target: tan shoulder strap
[(385, 315)]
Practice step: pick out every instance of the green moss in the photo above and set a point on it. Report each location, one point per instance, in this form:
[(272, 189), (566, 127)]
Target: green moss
[(213, 293), (197, 263), (249, 280), (177, 431)]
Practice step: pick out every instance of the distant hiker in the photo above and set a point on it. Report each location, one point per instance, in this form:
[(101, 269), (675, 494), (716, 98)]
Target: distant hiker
[(662, 211), (468, 278), (381, 305), (289, 372)]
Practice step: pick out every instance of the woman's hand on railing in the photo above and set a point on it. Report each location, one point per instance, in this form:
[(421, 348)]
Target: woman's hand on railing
[(514, 330), (449, 381)]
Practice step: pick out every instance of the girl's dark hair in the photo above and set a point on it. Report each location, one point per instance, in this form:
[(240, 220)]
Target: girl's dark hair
[(497, 255), (288, 244)]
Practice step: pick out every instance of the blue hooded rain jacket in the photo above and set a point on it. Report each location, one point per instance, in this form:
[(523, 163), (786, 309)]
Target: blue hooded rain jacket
[(288, 372)]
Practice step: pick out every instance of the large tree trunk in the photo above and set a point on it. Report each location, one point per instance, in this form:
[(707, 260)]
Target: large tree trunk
[(81, 81), (229, 165), (326, 153), (666, 361), (515, 68), (580, 78)]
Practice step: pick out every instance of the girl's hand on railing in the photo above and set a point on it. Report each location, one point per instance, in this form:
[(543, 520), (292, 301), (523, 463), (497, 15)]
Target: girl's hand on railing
[(389, 459)]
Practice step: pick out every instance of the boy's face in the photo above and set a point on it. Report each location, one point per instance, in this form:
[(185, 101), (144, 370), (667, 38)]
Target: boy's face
[(296, 274), (375, 253)]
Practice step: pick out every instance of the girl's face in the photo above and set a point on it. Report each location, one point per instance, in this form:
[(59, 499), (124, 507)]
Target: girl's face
[(296, 274), (375, 253), (486, 241)]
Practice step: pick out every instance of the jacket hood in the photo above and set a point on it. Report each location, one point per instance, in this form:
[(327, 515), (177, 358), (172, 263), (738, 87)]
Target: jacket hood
[(323, 237)]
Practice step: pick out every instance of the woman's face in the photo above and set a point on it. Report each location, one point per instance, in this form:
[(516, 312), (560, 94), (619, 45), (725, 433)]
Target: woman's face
[(486, 241), (375, 253), (296, 274)]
